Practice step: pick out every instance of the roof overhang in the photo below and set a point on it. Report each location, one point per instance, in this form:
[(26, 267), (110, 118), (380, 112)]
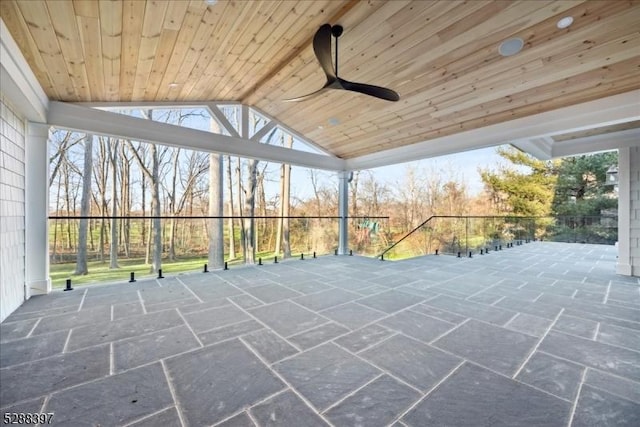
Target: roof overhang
[(17, 80), (532, 134)]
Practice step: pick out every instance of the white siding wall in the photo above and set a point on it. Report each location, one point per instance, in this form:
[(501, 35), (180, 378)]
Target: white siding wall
[(634, 214), (12, 209)]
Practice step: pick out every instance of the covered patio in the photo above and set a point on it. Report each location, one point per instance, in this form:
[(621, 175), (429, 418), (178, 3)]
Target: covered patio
[(539, 334)]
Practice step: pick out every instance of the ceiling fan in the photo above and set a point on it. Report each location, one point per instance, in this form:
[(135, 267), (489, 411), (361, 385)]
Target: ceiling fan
[(322, 49)]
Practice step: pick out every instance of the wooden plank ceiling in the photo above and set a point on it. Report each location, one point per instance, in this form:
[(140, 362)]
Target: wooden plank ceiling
[(440, 56)]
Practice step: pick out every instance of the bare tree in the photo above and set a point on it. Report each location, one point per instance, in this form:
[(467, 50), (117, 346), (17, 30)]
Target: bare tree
[(101, 177), (125, 199), (231, 223), (85, 204), (248, 230), (216, 232), (153, 175), (240, 192), (282, 234), (286, 212), (112, 148)]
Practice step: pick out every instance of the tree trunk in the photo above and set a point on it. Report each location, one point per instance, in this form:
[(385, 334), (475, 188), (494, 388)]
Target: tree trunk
[(231, 224), (125, 205), (286, 203), (172, 206), (67, 197), (143, 228), (249, 211), (113, 248), (155, 204), (216, 232), (278, 246), (241, 210), (85, 204)]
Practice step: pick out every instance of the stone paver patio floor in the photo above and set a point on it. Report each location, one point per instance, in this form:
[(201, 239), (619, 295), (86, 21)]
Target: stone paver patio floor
[(543, 334)]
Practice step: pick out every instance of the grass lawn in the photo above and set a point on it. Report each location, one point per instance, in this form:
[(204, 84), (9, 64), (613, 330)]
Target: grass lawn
[(99, 272)]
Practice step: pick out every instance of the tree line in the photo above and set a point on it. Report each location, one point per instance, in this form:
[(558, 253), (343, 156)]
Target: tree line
[(111, 183)]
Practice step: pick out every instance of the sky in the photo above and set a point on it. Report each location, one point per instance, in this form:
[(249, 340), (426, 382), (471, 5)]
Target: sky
[(465, 165)]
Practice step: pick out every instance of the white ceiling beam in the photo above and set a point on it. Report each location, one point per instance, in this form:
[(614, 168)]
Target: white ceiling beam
[(212, 107), (263, 131), (222, 119), (595, 143), (17, 80), (85, 119), (612, 110), (244, 122)]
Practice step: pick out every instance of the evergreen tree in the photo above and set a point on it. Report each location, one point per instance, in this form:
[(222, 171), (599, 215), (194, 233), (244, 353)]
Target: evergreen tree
[(582, 188), (524, 188)]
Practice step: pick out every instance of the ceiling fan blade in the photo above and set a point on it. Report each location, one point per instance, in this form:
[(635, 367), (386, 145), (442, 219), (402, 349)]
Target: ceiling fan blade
[(377, 91), (322, 49), (307, 96)]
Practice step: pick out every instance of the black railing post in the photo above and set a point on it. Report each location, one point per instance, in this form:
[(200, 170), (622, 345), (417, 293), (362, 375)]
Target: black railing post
[(132, 277), (259, 261), (206, 269), (350, 252), (226, 265), (68, 288), (314, 254), (160, 276), (436, 251), (275, 259), (301, 256), (466, 235)]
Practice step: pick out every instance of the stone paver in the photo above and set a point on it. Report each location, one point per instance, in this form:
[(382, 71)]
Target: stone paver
[(542, 334), (474, 397)]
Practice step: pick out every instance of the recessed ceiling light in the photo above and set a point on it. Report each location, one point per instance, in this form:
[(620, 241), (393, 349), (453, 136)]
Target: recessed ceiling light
[(333, 121), (211, 2), (511, 46), (174, 84), (565, 22)]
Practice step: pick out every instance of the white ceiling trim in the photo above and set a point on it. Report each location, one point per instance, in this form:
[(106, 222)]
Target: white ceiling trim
[(602, 112), (17, 80), (540, 148), (86, 119)]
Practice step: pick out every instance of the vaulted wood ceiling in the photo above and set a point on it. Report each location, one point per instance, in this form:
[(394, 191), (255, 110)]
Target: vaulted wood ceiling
[(440, 56)]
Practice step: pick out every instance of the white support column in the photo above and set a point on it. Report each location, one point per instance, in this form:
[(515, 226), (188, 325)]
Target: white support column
[(624, 209), (343, 212), (37, 210)]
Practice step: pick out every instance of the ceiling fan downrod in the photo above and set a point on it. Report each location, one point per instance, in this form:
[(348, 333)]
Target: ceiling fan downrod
[(336, 31)]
